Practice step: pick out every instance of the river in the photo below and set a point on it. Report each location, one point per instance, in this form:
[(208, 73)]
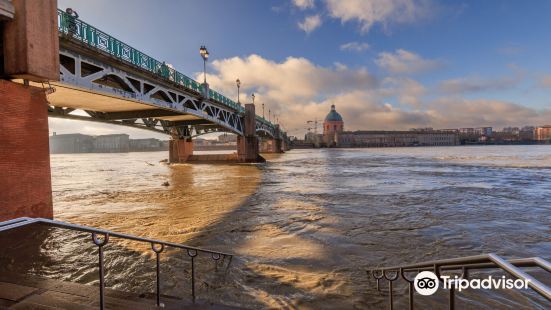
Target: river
[(306, 225)]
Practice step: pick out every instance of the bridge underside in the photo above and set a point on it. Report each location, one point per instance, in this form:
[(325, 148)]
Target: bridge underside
[(100, 107)]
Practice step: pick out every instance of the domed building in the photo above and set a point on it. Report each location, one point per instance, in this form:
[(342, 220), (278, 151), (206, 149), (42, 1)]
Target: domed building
[(333, 126)]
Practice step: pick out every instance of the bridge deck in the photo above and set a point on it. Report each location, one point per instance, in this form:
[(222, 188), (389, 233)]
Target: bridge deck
[(30, 292)]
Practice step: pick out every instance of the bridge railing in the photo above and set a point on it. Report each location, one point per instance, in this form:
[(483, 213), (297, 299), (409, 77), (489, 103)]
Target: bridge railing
[(93, 37), (462, 265), (100, 238)]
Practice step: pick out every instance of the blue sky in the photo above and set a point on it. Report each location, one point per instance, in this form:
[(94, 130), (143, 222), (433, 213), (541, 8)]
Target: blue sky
[(386, 64)]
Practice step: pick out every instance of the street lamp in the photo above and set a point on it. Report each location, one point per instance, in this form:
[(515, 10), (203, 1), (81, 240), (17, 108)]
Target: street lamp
[(269, 115), (263, 110), (205, 55), (238, 82)]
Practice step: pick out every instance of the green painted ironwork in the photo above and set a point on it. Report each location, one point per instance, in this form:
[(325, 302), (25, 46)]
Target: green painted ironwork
[(93, 37)]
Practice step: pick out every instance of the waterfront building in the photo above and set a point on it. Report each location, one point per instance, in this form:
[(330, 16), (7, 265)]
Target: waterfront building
[(333, 126), (397, 138), (227, 138), (144, 145), (115, 143), (335, 136), (71, 143), (511, 129), (543, 133), (480, 131)]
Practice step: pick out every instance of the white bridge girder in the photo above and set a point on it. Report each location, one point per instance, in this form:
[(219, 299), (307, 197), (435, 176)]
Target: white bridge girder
[(113, 94)]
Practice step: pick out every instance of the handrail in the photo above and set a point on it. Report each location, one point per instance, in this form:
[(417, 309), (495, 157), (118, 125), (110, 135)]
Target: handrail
[(464, 264), (79, 30), (74, 28), (157, 247)]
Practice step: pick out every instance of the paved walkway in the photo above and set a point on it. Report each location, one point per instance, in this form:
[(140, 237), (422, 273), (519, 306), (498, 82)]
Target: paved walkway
[(29, 292)]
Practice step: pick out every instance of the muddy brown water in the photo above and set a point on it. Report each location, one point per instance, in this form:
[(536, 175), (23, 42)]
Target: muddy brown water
[(304, 227)]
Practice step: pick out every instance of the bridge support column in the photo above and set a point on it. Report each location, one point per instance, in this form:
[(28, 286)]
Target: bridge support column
[(180, 150), (247, 145), (277, 143), (25, 181), (277, 146)]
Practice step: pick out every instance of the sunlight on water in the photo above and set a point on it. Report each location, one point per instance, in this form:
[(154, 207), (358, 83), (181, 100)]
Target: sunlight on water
[(307, 224)]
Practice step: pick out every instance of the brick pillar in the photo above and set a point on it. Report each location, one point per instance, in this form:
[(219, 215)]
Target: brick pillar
[(25, 181), (277, 145), (247, 145), (180, 150), (31, 44)]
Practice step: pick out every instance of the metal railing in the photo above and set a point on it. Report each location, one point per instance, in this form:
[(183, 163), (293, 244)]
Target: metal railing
[(463, 265), (91, 36), (100, 238), (81, 31)]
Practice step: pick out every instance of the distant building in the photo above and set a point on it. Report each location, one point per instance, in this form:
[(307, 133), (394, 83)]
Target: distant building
[(200, 141), (227, 138), (145, 145), (527, 133), (543, 133), (397, 138), (71, 143), (484, 131), (79, 143), (116, 143), (514, 130), (480, 131), (333, 126), (335, 136)]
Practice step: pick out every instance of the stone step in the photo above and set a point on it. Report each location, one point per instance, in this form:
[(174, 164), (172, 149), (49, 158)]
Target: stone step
[(31, 292)]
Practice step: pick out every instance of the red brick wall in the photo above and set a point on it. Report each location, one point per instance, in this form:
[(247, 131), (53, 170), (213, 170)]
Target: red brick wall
[(25, 179)]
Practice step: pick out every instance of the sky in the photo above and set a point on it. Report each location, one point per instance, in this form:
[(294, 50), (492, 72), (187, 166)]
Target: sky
[(385, 64)]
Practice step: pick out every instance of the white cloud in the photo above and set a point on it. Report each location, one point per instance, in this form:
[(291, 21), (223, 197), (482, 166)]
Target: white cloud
[(408, 91), (476, 84), (473, 84), (405, 62), (354, 46), (310, 23), (385, 12), (292, 87), (459, 112), (304, 4), (300, 90)]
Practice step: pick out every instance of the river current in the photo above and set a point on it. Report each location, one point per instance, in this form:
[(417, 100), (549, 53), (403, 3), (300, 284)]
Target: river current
[(304, 227)]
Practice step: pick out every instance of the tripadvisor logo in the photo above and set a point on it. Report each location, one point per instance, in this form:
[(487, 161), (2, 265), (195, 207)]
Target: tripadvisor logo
[(426, 283)]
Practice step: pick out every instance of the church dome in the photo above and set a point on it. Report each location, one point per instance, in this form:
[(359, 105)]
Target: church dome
[(333, 116)]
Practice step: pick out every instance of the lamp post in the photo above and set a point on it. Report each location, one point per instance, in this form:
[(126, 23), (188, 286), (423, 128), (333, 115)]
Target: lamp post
[(263, 110), (269, 115), (205, 55), (238, 82)]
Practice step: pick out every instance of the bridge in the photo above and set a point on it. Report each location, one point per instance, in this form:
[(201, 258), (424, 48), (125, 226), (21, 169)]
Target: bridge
[(118, 84), (53, 64)]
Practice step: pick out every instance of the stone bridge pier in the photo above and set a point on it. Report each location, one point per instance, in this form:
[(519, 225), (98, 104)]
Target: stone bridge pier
[(180, 150), (181, 145), (274, 145), (247, 145)]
